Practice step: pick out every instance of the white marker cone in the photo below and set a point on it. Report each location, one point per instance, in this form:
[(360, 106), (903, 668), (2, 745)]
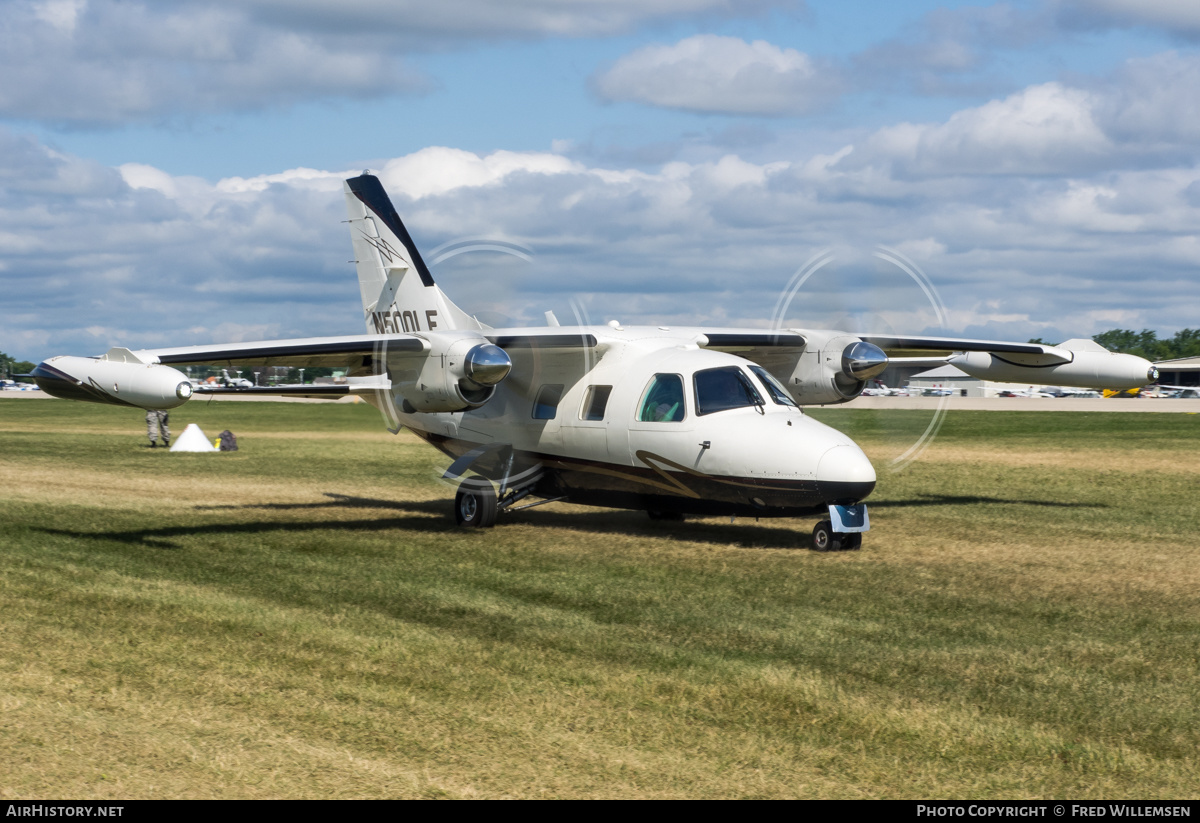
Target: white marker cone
[(192, 440)]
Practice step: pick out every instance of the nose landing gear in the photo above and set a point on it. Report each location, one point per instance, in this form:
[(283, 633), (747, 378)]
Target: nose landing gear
[(825, 539)]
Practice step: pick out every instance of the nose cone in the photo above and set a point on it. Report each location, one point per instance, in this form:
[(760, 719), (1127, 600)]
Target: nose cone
[(844, 474)]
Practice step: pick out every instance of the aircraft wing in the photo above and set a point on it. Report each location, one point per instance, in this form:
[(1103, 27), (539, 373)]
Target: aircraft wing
[(929, 348), (894, 344), (352, 350), (311, 391), (742, 339), (809, 361), (305, 352)]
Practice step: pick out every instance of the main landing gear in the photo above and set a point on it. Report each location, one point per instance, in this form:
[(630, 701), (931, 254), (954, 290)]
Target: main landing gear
[(825, 539), (475, 504)]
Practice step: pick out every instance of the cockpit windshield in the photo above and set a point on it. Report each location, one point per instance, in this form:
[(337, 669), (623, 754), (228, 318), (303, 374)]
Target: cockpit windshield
[(774, 388), (723, 389)]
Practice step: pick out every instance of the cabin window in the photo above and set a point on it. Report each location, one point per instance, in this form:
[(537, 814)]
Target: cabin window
[(596, 402), (774, 388), (723, 389), (546, 403), (662, 401)]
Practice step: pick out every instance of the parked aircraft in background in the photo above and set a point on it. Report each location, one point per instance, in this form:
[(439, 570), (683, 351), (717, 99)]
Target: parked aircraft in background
[(879, 389), (1171, 392), (673, 421), (238, 382)]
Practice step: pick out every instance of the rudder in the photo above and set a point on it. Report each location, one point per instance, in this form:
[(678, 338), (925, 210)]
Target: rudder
[(398, 291)]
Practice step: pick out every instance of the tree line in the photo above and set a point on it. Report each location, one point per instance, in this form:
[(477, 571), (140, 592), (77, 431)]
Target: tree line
[(9, 367)]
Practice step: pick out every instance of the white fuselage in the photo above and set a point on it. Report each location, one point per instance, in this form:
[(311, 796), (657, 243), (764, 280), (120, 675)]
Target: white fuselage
[(765, 458)]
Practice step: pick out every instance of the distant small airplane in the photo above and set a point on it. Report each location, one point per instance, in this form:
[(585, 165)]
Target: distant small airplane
[(1171, 392), (1066, 391), (238, 382), (879, 389), (669, 420), (1029, 392)]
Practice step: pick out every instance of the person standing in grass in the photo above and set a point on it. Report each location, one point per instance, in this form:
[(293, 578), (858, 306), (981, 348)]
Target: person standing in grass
[(157, 424)]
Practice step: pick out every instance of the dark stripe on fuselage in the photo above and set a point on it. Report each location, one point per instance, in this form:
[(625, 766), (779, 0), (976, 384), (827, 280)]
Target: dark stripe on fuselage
[(369, 190), (602, 483)]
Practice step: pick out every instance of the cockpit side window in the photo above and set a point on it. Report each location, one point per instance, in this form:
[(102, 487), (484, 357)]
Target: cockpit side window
[(662, 402), (774, 388), (722, 389)]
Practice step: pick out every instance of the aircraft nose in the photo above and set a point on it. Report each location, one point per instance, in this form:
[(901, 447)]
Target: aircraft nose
[(845, 474)]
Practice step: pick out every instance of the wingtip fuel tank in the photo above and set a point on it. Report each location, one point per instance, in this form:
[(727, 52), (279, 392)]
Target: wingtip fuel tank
[(115, 382)]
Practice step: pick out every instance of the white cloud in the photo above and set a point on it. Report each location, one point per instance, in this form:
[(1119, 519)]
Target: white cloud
[(1153, 102), (147, 258), (62, 14), (1178, 16), (489, 20), (108, 62), (710, 73), (437, 170), (1042, 129)]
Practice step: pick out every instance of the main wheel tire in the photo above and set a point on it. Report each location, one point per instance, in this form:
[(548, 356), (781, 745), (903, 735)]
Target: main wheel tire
[(852, 542), (475, 504), (825, 539)]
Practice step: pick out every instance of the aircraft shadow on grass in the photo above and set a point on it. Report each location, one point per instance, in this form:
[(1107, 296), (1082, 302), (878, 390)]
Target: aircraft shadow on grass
[(974, 499), (425, 516)]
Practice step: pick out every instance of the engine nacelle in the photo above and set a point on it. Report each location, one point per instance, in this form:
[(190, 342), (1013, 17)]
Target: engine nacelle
[(833, 368), (456, 374), (117, 382), (1086, 369)]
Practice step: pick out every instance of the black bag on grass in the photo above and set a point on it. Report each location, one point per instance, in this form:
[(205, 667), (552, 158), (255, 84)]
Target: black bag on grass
[(228, 441)]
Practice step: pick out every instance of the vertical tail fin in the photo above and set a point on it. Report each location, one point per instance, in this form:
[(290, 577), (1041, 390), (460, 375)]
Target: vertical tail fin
[(398, 292)]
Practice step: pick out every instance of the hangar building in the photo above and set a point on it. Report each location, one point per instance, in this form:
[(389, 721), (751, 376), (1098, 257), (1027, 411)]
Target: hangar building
[(1182, 372)]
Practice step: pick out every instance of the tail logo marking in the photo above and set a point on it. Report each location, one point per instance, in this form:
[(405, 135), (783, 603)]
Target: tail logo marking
[(382, 246)]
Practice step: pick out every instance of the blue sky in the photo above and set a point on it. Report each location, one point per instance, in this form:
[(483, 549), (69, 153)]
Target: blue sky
[(169, 175)]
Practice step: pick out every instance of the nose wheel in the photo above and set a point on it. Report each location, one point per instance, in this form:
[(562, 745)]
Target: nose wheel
[(825, 539), (475, 504)]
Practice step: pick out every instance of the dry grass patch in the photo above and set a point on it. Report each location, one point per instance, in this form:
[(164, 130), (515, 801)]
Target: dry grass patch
[(304, 620)]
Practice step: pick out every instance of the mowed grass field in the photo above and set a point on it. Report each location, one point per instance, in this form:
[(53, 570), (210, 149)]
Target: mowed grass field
[(303, 619)]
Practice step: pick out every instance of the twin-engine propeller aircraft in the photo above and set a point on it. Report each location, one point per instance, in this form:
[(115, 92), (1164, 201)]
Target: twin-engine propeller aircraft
[(671, 421)]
